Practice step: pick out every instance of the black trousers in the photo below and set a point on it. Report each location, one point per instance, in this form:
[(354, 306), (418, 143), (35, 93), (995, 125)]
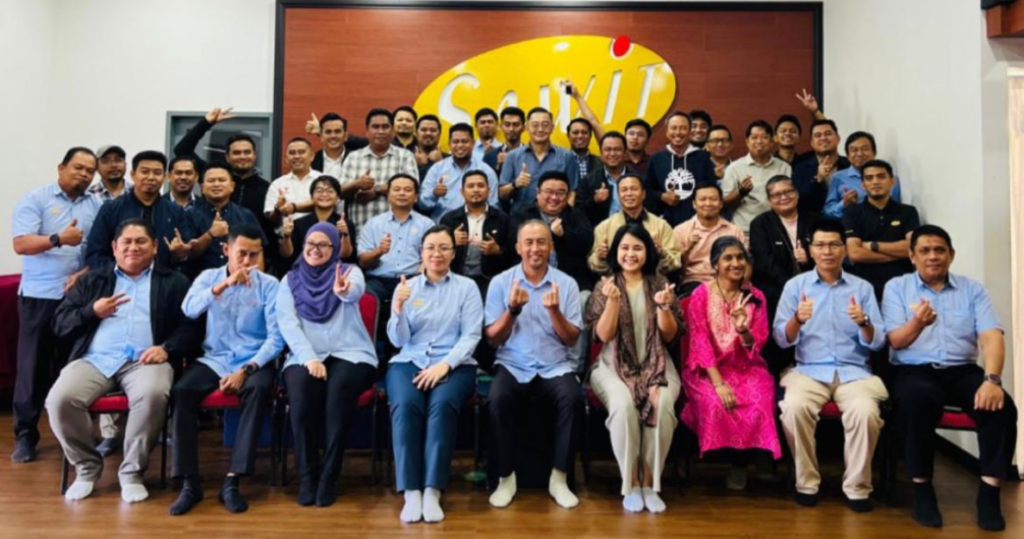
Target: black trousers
[(40, 357), (921, 392), (324, 409), (195, 384), (563, 392)]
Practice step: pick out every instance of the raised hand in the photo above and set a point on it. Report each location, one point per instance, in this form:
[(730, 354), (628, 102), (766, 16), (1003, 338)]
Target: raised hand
[(924, 313), (107, 307), (461, 236), (804, 309), (71, 235), (219, 228), (808, 101), (670, 197), (855, 312), (316, 369), (602, 193), (177, 246), (524, 178), (720, 169), (284, 207), (825, 168), (219, 115), (609, 289), (850, 197), (517, 297), (341, 283), (402, 294), (420, 156), (746, 184), (501, 156), (342, 226), (288, 227), (241, 277), (385, 244), (666, 296), (435, 155), (488, 245), (602, 250), (440, 190), (739, 314), (313, 125), (550, 300), (800, 253), (557, 228)]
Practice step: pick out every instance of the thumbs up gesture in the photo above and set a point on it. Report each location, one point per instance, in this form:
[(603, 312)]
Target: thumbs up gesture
[(461, 236), (440, 190), (550, 300), (71, 235), (385, 244), (501, 156), (489, 246), (602, 193), (855, 312), (219, 228), (341, 283), (804, 309), (288, 227), (342, 226), (402, 294), (435, 155), (421, 157), (799, 252), (313, 125), (524, 178), (602, 250), (365, 182)]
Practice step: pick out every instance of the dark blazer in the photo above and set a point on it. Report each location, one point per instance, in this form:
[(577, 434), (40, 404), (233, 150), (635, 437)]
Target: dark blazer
[(812, 192), (774, 262), (352, 143), (573, 247), (595, 211), (499, 226), (167, 216), (76, 321)]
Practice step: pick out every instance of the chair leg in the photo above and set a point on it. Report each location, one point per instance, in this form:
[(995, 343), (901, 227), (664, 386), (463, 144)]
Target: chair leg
[(65, 471)]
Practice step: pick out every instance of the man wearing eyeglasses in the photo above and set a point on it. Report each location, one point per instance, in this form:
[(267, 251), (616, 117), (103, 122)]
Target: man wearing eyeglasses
[(745, 180), (719, 147), (522, 165)]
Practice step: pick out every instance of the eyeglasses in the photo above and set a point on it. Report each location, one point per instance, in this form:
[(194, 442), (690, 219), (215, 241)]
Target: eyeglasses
[(829, 246), (540, 125), (553, 193), (788, 193), (319, 246), (443, 249)]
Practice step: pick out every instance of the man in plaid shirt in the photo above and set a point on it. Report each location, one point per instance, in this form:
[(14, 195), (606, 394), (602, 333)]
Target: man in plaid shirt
[(365, 174)]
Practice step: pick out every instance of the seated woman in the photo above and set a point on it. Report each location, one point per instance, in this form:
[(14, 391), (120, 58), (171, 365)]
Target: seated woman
[(730, 393), (331, 360), (325, 192), (635, 377), (436, 321)]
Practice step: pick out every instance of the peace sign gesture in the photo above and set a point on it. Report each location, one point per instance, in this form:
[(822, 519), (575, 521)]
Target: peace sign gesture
[(666, 296), (808, 100), (739, 314), (341, 283)]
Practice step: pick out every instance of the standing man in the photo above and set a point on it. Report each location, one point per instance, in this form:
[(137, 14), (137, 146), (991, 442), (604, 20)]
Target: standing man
[(813, 176), (365, 174), (700, 127), (336, 143), (442, 188), (847, 186), (746, 179), (533, 161), (513, 121), (50, 225), (427, 151), (597, 195), (212, 220), (111, 169), (787, 135), (289, 195), (484, 236), (674, 173), (719, 147), (486, 121), (183, 173), (405, 128), (638, 133), (579, 134)]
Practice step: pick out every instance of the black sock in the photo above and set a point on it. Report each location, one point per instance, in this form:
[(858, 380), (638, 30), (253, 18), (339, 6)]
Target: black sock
[(926, 506), (307, 490), (191, 494), (990, 515), (326, 493), (231, 496)]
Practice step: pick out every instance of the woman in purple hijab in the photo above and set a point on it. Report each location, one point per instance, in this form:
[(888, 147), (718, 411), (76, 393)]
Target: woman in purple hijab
[(331, 359)]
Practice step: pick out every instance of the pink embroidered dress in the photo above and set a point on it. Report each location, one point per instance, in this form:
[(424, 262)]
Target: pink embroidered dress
[(715, 343)]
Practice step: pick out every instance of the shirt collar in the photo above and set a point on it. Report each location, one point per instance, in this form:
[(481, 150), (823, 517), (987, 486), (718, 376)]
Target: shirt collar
[(950, 281), (641, 219), (697, 224), (749, 161), (840, 280), (145, 273), (444, 280), (520, 274)]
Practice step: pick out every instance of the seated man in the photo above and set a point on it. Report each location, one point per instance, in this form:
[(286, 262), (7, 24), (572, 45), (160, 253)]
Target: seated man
[(832, 319), (695, 237), (126, 323), (483, 234), (242, 340), (389, 244), (631, 195), (211, 220), (442, 186), (532, 316), (935, 322)]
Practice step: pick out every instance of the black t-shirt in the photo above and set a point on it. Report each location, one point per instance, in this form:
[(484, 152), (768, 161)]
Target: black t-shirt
[(888, 224)]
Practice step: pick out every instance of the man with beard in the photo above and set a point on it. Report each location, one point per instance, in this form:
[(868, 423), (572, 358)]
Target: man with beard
[(597, 195), (746, 179), (513, 121), (483, 233), (787, 135), (696, 236), (365, 174), (674, 173), (335, 141), (405, 128), (579, 134), (111, 169), (630, 189), (846, 188), (700, 125), (486, 121), (637, 132), (427, 151), (719, 147), (536, 159), (813, 176), (181, 181), (213, 218), (49, 229), (442, 188)]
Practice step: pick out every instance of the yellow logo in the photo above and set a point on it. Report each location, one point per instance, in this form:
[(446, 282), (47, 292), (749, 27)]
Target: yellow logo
[(895, 223), (619, 79), (417, 303)]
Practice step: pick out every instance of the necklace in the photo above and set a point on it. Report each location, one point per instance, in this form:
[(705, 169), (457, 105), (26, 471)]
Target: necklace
[(728, 299)]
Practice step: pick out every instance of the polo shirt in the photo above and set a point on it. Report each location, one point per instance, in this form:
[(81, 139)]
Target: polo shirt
[(755, 202), (890, 223)]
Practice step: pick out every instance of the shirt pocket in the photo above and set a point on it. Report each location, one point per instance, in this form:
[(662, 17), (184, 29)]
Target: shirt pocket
[(960, 324)]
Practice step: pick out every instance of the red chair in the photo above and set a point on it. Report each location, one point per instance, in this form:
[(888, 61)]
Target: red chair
[(117, 404), (952, 419), (374, 396)]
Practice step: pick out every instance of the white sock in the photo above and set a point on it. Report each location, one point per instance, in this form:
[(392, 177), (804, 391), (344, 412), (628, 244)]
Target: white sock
[(134, 492), (559, 490), (78, 490), (652, 501), (413, 510), (502, 496), (634, 501), (432, 511)]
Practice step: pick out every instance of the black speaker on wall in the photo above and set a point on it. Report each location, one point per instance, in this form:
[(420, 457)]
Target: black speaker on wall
[(989, 4)]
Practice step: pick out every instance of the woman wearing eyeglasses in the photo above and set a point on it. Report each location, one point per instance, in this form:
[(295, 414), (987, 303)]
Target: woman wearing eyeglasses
[(436, 321), (731, 394), (331, 359), (325, 192)]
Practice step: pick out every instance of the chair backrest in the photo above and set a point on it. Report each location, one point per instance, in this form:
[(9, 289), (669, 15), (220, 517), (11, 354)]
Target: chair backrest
[(368, 310)]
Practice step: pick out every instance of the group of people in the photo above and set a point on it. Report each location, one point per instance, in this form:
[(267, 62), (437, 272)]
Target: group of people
[(801, 271)]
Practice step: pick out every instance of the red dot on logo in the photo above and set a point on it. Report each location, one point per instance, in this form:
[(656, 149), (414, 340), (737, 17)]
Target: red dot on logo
[(620, 46)]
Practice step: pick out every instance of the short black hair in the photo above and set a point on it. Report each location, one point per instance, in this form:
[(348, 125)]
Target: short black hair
[(707, 185), (614, 135), (403, 176), (698, 114), (680, 114), (763, 125), (486, 111), (639, 232), (878, 163), (635, 122), (329, 180), (824, 121), (142, 223), (829, 226), (299, 139), (70, 154), (248, 231), (579, 121), (461, 126), (535, 110), (929, 230), (720, 127), (791, 119), (429, 118), (553, 175), (857, 135), (334, 117), (216, 166), (630, 175), (775, 180), (406, 108), (186, 158), (149, 155), (438, 229), (380, 112), (473, 173), (239, 137), (513, 111)]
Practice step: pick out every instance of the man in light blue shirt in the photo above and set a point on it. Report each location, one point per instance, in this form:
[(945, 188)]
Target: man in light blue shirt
[(49, 227), (935, 321), (833, 320), (242, 340), (442, 188), (525, 165), (847, 187), (532, 316), (487, 126)]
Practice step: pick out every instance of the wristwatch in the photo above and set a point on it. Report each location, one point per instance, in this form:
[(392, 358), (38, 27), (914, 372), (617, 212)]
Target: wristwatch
[(250, 369), (874, 247), (55, 240), (867, 320), (995, 379)]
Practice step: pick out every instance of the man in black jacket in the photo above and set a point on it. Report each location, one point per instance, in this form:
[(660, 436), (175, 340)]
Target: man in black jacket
[(484, 240), (597, 194), (127, 328)]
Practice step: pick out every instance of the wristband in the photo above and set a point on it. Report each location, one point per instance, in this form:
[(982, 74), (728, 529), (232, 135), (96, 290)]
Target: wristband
[(515, 311)]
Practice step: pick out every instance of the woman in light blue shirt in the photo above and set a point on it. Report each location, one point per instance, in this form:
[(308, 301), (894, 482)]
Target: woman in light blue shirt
[(331, 359), (436, 321)]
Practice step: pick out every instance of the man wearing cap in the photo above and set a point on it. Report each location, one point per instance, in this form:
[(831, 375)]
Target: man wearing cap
[(111, 169)]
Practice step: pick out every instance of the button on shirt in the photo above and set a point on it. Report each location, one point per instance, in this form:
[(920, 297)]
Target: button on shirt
[(556, 158), (403, 258), (474, 256), (848, 179), (344, 336), (533, 348), (125, 335), (440, 322), (100, 191), (241, 323), (755, 202), (830, 343), (963, 311), (46, 211), (395, 160), (295, 190), (453, 200)]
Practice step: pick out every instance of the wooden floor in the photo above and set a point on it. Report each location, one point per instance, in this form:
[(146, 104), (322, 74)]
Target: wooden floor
[(31, 506)]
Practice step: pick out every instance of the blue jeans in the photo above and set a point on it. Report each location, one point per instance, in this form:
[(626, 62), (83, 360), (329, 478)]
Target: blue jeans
[(424, 424)]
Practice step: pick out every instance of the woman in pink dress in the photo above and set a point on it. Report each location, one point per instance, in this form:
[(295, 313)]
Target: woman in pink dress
[(730, 393)]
